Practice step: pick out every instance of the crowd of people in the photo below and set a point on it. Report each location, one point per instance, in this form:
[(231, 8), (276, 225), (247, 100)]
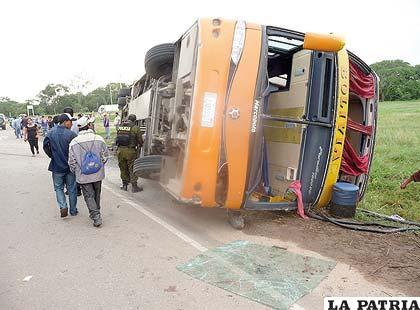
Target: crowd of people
[(43, 123), (78, 155), (30, 128)]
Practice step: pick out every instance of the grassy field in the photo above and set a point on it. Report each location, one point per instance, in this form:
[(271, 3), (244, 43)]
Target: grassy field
[(397, 156)]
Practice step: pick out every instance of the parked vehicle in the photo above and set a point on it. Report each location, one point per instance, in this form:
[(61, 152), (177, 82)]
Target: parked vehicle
[(235, 112), (108, 108), (3, 121)]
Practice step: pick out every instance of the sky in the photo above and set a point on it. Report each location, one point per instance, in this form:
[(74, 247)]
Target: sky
[(60, 41)]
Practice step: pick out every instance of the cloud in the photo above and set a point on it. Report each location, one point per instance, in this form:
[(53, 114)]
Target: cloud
[(53, 41)]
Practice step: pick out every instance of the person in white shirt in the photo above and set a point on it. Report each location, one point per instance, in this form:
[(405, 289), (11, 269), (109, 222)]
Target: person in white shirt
[(117, 120)]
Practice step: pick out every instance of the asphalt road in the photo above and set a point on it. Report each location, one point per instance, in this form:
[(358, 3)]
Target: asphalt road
[(130, 262)]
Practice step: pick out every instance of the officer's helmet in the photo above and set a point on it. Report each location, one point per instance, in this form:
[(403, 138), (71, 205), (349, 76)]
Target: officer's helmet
[(132, 117)]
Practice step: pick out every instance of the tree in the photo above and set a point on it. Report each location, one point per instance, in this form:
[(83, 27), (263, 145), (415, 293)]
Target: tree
[(398, 80), (50, 96), (55, 97), (10, 107)]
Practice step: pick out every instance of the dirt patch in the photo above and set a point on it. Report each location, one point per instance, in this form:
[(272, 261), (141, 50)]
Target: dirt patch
[(392, 259)]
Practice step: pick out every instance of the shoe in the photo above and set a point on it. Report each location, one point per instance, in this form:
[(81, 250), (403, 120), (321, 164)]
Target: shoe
[(124, 187), (135, 188), (37, 152), (64, 212), (97, 222), (79, 193), (74, 213)]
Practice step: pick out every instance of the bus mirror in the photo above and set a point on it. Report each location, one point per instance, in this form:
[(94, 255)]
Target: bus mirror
[(323, 42)]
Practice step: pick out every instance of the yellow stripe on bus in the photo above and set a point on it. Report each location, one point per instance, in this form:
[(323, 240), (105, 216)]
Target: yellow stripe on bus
[(340, 129)]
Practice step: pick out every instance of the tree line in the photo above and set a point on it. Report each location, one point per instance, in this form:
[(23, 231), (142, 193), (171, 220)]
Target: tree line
[(398, 81), (55, 97)]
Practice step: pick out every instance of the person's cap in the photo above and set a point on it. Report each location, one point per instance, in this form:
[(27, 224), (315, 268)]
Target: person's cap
[(84, 121), (64, 117)]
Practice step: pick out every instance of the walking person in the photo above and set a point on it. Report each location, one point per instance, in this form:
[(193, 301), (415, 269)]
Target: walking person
[(88, 154), (117, 121), (50, 123), (129, 142), (23, 124), (56, 146), (106, 126), (74, 128), (31, 134), (44, 125), (16, 126)]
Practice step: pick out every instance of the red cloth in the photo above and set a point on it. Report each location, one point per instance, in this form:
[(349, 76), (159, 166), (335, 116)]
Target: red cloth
[(295, 186), (351, 124), (361, 84), (353, 164)]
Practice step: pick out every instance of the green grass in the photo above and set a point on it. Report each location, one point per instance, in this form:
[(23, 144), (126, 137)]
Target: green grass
[(397, 156)]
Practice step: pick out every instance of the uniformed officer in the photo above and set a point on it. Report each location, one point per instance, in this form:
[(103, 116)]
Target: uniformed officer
[(129, 141)]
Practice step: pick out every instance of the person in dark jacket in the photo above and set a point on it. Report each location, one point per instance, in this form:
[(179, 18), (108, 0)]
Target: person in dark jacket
[(56, 146), (24, 122), (129, 142), (55, 121), (74, 128)]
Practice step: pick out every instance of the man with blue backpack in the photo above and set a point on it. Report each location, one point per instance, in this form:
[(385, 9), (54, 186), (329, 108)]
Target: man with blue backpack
[(88, 154)]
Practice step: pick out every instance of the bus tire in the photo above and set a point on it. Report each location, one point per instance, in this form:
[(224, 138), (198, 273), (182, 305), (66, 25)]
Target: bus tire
[(159, 60), (122, 101), (124, 92), (147, 167)]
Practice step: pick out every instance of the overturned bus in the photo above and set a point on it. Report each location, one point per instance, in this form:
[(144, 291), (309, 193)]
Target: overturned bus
[(236, 114)]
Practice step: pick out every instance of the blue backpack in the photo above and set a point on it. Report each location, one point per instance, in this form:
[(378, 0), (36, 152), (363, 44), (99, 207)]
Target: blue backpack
[(91, 162)]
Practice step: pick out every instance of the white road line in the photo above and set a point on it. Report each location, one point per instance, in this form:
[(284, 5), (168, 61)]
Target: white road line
[(161, 222), (169, 227)]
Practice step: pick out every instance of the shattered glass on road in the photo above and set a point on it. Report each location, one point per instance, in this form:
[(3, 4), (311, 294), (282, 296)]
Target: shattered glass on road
[(268, 275)]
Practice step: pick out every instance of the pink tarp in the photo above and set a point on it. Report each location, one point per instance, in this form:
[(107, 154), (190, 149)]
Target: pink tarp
[(295, 186)]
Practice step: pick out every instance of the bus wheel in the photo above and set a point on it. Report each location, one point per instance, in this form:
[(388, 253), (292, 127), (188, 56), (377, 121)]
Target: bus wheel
[(159, 60), (124, 92), (235, 219), (147, 167), (122, 101)]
